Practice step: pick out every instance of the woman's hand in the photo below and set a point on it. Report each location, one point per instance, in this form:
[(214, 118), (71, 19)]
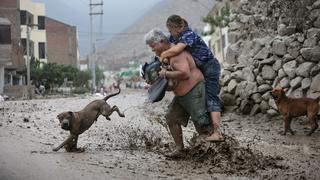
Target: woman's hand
[(164, 60)]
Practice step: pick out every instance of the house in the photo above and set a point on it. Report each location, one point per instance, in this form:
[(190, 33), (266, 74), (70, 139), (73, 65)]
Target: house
[(62, 43), (5, 48), (11, 54), (20, 19), (219, 40), (83, 64), (32, 15)]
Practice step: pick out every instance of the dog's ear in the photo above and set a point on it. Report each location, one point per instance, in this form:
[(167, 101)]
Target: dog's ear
[(284, 91), (276, 89), (61, 115), (70, 113)]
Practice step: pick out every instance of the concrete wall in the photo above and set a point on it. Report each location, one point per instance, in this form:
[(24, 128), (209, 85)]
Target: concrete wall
[(19, 91)]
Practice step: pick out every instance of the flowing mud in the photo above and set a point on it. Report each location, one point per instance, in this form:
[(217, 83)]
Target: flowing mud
[(133, 147)]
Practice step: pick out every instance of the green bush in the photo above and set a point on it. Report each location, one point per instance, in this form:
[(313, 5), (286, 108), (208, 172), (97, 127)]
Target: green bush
[(80, 90), (52, 75)]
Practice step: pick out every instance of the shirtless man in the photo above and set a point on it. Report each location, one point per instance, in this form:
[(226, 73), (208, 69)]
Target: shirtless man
[(189, 100)]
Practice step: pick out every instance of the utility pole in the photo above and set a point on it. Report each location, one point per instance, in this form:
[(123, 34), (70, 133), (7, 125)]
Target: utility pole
[(92, 56), (29, 94)]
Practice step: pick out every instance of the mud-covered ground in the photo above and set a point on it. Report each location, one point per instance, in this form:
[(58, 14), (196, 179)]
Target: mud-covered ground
[(133, 147)]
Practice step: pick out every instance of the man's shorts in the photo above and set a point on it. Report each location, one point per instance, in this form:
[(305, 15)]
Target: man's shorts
[(190, 106)]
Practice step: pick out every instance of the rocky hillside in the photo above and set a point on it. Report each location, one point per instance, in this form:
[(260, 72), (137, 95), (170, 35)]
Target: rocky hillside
[(274, 43), (130, 44)]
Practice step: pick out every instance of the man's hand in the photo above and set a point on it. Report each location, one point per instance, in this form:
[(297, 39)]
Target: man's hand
[(162, 72)]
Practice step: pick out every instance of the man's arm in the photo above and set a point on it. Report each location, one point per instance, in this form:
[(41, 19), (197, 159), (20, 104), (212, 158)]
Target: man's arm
[(173, 51)]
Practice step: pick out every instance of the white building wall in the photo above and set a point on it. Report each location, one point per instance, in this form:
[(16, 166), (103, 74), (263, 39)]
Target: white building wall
[(36, 35), (224, 31)]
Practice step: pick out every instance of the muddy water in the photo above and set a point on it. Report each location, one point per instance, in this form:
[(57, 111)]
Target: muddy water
[(133, 147)]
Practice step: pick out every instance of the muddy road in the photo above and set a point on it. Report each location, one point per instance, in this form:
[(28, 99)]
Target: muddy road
[(133, 147)]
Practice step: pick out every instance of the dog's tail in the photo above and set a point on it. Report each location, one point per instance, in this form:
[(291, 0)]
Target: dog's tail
[(110, 95)]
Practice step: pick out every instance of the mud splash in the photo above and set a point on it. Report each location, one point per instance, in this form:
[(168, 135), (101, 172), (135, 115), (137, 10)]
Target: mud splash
[(227, 157)]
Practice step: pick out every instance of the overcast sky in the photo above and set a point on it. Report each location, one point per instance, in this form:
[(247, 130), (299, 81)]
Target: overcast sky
[(118, 15)]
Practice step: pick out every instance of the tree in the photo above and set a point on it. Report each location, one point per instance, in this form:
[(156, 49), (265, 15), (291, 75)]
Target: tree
[(220, 21), (52, 73), (99, 76), (82, 78)]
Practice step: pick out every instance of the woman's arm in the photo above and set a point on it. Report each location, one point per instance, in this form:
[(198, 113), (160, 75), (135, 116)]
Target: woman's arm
[(180, 66), (173, 51)]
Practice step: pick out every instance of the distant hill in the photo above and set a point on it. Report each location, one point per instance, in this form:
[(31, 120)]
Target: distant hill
[(130, 44)]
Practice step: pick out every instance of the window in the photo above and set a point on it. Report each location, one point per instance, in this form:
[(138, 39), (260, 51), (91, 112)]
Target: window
[(41, 22), (5, 34), (31, 46), (24, 45), (25, 17), (42, 50)]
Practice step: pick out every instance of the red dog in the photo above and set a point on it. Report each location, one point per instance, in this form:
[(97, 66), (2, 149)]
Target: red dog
[(294, 107)]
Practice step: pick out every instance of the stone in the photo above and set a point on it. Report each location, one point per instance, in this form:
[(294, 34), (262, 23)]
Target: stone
[(279, 48), (255, 110), (264, 106), (315, 83), (284, 83), (304, 69), (296, 82), (272, 113), (305, 83), (256, 97), (232, 86), (228, 99), (290, 68), (268, 72)]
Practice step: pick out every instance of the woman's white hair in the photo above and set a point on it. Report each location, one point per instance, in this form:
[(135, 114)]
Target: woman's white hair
[(155, 36)]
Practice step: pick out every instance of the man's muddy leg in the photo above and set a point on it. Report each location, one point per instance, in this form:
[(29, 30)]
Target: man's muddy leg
[(176, 132)]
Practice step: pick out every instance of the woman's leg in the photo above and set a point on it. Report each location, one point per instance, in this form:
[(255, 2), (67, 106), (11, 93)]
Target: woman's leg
[(212, 76)]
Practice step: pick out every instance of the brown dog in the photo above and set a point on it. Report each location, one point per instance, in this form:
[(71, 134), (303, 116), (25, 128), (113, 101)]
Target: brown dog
[(294, 107), (78, 122)]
